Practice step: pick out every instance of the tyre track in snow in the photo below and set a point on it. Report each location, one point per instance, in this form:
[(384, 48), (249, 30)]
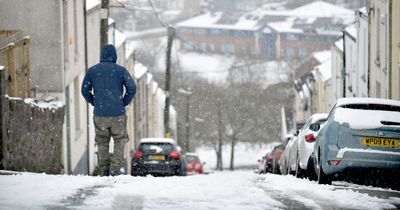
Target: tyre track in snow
[(77, 199), (297, 199)]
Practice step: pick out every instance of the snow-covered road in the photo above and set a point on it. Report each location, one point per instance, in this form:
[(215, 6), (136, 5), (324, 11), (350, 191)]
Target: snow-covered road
[(219, 190)]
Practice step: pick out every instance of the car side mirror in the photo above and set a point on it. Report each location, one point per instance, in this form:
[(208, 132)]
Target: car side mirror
[(315, 126)]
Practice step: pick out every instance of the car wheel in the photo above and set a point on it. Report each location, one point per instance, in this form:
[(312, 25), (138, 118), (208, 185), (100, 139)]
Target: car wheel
[(311, 169), (298, 173), (322, 177)]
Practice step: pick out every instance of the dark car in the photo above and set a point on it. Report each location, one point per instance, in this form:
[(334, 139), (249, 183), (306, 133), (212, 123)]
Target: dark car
[(157, 156)]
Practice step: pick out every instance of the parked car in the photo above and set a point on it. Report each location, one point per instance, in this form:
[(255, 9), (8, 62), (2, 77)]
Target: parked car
[(284, 158), (157, 156), (193, 163), (304, 162), (262, 164), (275, 156), (361, 136)]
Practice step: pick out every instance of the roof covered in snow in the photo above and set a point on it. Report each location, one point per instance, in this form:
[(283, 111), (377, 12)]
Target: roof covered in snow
[(351, 30), (140, 70), (90, 4), (120, 38), (316, 16), (325, 66), (339, 44), (322, 9)]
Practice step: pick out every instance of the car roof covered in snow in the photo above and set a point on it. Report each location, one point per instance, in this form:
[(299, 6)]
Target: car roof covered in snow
[(157, 140), (318, 116), (191, 154), (347, 101)]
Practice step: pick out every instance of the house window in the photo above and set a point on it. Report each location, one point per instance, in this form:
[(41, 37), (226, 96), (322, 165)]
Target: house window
[(203, 47), (292, 37), (188, 45), (228, 48), (200, 31), (289, 52), (211, 47), (215, 32), (302, 52)]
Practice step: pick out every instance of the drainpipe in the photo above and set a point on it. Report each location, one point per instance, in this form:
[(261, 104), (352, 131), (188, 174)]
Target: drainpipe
[(344, 65), (390, 37), (87, 104)]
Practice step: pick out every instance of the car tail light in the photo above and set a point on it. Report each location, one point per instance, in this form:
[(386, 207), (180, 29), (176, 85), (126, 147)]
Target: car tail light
[(138, 154), (269, 158), (309, 138), (175, 154), (334, 162)]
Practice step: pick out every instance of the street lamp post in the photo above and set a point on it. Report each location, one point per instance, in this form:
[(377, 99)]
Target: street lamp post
[(188, 94)]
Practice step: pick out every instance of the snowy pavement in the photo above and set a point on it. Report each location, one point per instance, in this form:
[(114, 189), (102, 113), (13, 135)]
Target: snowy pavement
[(219, 190)]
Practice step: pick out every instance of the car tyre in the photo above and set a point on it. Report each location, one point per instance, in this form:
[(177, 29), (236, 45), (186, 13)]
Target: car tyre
[(322, 177), (299, 173), (311, 169)]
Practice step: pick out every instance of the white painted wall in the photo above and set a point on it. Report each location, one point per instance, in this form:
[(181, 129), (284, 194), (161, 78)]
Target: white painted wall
[(363, 53)]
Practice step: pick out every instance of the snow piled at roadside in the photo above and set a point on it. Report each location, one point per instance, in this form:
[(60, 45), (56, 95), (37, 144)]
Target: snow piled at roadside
[(324, 196), (35, 191)]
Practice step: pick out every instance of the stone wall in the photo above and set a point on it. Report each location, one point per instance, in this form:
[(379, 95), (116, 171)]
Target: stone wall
[(33, 140)]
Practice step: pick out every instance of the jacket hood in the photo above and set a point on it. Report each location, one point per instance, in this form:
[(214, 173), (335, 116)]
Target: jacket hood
[(108, 54)]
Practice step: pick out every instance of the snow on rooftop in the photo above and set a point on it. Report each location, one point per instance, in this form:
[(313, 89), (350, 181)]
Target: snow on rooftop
[(120, 38), (285, 26), (351, 30), (325, 69), (1, 67), (90, 4), (339, 44), (322, 56), (365, 119), (140, 70), (154, 87), (149, 78), (110, 21), (322, 9), (363, 10), (210, 20)]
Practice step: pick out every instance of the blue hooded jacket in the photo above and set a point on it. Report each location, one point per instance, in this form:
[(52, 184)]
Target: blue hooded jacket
[(103, 85)]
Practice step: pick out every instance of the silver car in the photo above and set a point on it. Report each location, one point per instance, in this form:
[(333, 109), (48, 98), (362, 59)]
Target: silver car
[(361, 137)]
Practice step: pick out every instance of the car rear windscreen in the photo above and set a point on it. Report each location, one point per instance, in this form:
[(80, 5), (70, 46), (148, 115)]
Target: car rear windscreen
[(191, 158), (378, 107), (156, 147)]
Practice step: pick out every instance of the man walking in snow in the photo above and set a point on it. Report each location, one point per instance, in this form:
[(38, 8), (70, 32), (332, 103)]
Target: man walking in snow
[(103, 87)]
